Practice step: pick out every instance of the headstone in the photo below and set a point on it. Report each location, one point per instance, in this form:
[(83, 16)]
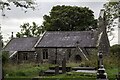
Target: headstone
[(64, 65), (101, 74), (56, 70)]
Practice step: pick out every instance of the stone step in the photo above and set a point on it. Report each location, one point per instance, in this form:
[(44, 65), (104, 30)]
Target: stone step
[(68, 69), (83, 68), (87, 71), (51, 72)]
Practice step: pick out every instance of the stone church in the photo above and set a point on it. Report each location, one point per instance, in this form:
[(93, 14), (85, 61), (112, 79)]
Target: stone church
[(53, 46)]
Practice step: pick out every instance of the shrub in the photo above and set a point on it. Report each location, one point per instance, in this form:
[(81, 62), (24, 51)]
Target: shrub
[(5, 57), (115, 49)]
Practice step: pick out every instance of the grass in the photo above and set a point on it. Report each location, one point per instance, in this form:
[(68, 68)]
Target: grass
[(25, 70), (112, 73), (31, 70)]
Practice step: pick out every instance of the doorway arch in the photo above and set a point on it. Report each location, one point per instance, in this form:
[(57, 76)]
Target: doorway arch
[(78, 58)]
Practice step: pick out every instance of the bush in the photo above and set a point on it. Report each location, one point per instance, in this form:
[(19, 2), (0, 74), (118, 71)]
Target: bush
[(5, 57), (115, 49)]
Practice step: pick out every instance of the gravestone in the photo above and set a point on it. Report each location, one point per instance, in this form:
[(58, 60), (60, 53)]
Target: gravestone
[(56, 70), (101, 74), (64, 65)]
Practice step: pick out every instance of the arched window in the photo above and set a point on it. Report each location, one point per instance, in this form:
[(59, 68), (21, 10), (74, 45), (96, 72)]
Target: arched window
[(25, 56), (45, 53), (69, 53), (78, 58)]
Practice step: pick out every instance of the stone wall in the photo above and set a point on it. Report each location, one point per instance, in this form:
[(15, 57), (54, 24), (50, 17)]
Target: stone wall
[(55, 55), (59, 53), (23, 57)]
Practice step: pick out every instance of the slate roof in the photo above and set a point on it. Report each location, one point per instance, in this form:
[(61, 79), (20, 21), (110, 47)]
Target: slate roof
[(21, 44), (69, 39)]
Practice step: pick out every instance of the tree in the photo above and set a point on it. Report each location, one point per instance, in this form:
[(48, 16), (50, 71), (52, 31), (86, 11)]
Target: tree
[(69, 18), (5, 4), (5, 57), (112, 13), (28, 30), (115, 49)]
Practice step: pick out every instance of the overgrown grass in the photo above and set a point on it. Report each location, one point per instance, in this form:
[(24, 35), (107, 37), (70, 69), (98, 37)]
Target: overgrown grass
[(32, 70), (111, 61), (27, 70), (92, 62), (112, 73), (73, 75)]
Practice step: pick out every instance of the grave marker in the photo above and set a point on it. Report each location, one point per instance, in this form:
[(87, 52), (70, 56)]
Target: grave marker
[(56, 70)]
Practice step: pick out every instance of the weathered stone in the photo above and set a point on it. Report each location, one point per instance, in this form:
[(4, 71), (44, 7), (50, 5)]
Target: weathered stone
[(56, 70)]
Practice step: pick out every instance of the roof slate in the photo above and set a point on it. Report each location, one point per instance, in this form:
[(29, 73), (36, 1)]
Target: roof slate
[(21, 44), (69, 39)]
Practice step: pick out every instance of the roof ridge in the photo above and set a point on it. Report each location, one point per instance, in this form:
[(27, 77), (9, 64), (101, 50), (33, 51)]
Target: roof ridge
[(7, 43)]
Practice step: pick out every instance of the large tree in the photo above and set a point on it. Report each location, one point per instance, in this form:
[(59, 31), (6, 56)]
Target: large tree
[(69, 18), (28, 30), (112, 9)]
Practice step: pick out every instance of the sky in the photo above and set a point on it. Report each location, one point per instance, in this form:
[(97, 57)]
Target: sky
[(16, 16)]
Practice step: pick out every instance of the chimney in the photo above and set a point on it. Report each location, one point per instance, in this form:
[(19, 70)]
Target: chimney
[(12, 35)]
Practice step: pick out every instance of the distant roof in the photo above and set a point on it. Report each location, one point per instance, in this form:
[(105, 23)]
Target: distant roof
[(69, 39), (21, 44)]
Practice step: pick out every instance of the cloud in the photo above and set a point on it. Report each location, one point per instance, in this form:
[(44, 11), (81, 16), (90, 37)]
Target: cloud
[(13, 25), (43, 8)]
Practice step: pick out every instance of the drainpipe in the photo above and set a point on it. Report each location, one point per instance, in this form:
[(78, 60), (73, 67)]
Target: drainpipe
[(56, 56)]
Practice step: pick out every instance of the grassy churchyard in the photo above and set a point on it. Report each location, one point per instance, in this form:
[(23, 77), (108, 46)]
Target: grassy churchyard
[(29, 71)]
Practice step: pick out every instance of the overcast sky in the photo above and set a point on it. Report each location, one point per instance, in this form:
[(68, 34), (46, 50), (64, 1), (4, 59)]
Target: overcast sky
[(15, 17)]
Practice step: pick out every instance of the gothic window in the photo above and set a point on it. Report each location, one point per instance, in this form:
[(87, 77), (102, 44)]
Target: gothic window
[(25, 56), (69, 53), (45, 53)]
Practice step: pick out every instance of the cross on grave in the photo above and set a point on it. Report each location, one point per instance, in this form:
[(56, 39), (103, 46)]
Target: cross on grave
[(101, 74), (100, 60)]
